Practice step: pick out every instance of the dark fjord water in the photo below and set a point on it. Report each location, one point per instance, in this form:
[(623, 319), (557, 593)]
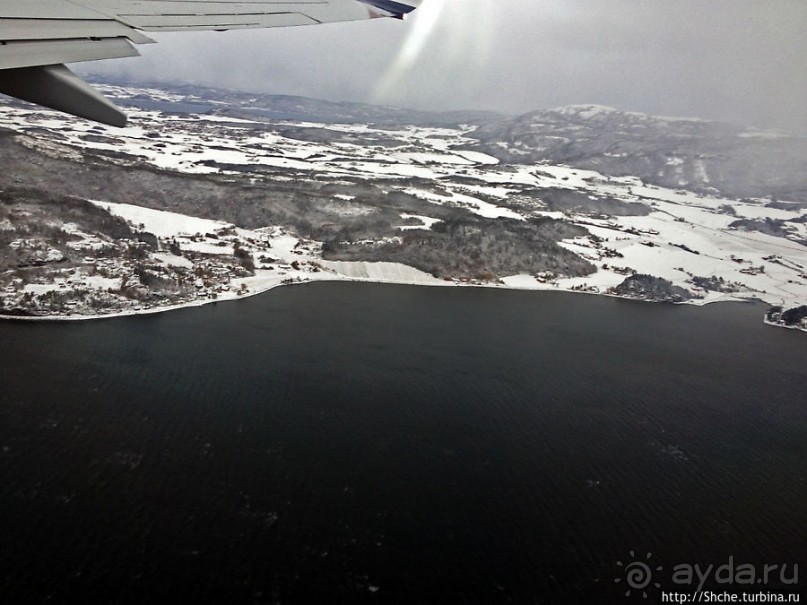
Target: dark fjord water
[(366, 443)]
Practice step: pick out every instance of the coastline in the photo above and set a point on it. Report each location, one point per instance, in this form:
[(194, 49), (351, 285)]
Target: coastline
[(266, 284)]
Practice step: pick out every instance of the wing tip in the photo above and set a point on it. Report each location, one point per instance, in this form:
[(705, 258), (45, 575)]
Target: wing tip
[(392, 8)]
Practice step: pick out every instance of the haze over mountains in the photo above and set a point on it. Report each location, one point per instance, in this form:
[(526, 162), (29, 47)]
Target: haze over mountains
[(582, 197), (670, 152), (667, 151)]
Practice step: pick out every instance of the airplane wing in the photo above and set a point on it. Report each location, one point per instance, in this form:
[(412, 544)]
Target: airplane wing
[(38, 36)]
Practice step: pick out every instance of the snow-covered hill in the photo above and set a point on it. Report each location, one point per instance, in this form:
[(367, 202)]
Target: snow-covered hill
[(708, 157)]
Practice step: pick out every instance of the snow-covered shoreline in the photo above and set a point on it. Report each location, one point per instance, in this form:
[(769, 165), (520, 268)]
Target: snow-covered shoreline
[(270, 284), (299, 262)]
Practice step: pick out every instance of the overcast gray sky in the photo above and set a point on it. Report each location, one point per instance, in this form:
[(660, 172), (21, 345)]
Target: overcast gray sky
[(736, 60)]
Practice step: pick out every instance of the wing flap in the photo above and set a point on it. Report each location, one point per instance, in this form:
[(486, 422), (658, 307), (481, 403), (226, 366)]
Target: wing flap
[(17, 29), (154, 15), (49, 52), (203, 22)]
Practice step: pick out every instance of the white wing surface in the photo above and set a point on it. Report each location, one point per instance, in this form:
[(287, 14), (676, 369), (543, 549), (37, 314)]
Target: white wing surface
[(38, 36)]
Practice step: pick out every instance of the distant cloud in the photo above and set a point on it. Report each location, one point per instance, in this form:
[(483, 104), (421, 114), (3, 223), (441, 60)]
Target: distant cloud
[(738, 60)]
